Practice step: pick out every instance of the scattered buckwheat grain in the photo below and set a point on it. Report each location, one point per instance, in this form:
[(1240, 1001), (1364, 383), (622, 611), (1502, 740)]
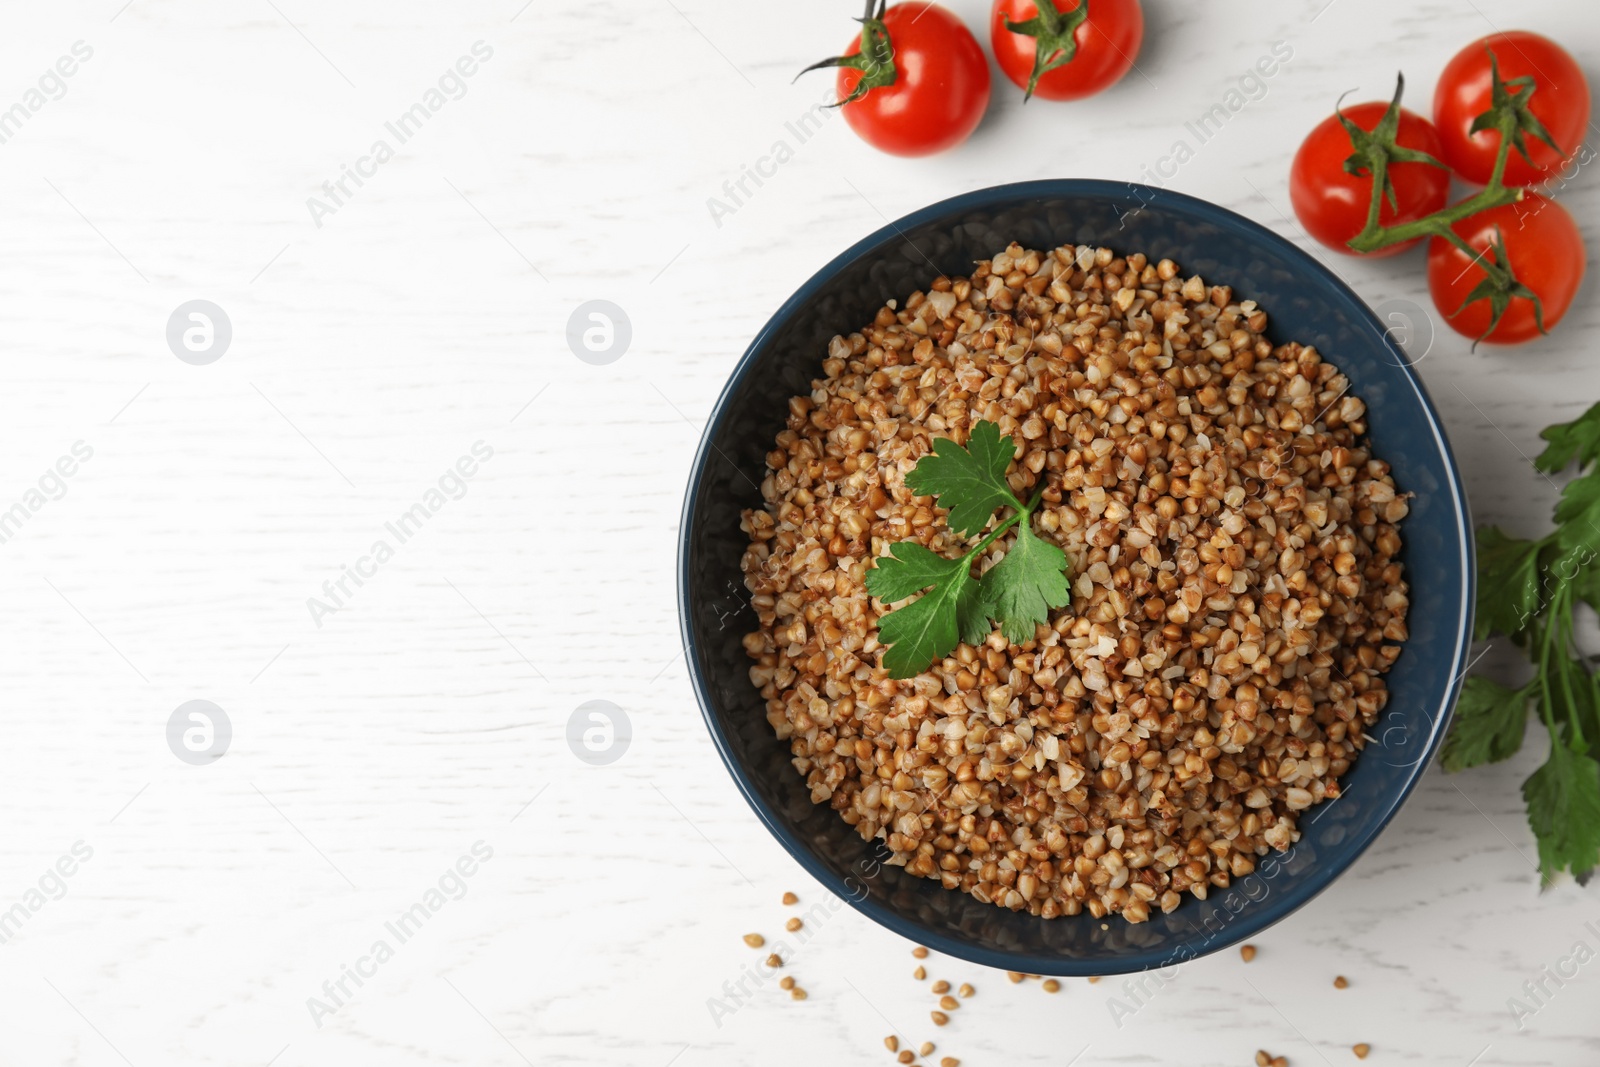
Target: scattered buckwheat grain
[(793, 924), (790, 898), (949, 1003), (1052, 986), (920, 973), (1341, 982), (926, 1049), (1361, 1050), (939, 1018), (774, 960), (920, 953), (941, 986), (966, 989), (891, 1043), (1247, 952), (754, 940)]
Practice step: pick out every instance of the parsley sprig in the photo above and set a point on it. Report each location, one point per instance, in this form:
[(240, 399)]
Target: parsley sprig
[(1528, 590), (1017, 592)]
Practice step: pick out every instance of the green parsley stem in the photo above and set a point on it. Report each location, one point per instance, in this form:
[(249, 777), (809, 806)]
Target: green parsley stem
[(1021, 513), (1564, 608), (1544, 681)]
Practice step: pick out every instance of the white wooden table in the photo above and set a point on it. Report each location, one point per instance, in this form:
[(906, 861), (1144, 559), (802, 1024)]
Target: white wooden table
[(379, 739)]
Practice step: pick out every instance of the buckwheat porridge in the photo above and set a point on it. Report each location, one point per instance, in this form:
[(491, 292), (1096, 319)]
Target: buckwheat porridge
[(1234, 595)]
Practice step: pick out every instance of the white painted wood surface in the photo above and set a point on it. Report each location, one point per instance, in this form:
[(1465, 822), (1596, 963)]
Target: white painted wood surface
[(427, 313)]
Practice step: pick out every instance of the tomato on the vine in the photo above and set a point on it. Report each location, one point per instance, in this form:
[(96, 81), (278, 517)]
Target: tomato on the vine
[(1332, 204), (1538, 241), (915, 82), (1559, 107), (1070, 51)]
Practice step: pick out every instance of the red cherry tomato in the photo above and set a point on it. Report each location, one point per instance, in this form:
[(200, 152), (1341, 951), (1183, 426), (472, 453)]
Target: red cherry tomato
[(940, 88), (1107, 42), (1332, 204), (1560, 102), (1546, 254)]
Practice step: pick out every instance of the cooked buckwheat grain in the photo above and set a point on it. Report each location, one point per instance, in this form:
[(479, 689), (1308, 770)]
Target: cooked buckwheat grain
[(1236, 599)]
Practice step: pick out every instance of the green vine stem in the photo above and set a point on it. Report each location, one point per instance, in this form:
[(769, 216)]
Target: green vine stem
[(1375, 150)]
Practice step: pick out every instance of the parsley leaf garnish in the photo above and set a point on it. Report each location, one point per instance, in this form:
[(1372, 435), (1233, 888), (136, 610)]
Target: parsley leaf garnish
[(930, 626), (970, 481), (1018, 592), (1528, 590)]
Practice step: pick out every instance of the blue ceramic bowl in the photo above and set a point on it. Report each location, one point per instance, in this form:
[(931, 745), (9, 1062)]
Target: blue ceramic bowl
[(1304, 302)]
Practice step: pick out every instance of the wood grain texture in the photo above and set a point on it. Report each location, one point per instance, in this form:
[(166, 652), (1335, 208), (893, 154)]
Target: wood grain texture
[(429, 312)]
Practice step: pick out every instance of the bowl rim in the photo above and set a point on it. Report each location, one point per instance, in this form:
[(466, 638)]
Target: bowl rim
[(1249, 921)]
